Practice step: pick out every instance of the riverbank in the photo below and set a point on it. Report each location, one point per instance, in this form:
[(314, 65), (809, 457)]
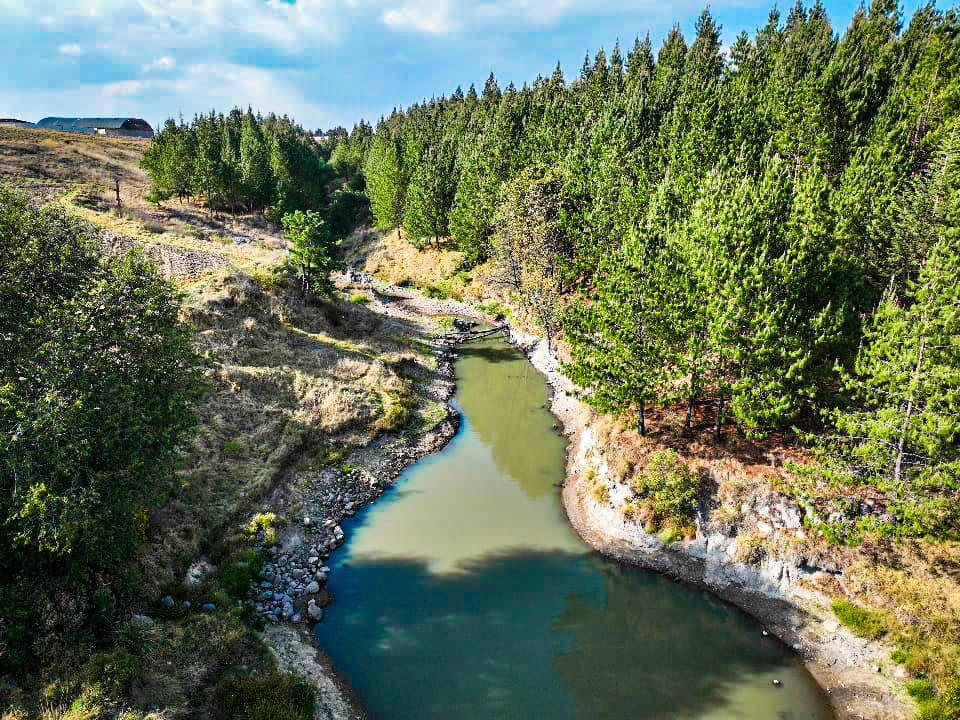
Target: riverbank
[(760, 560), (843, 664), (854, 672), (319, 500)]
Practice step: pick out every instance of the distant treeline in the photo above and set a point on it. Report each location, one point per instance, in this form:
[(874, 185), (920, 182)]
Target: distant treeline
[(725, 227), (242, 161)]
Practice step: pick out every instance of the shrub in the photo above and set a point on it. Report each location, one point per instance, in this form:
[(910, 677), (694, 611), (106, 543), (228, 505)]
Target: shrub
[(359, 299), (239, 571), (17, 627), (600, 492), (232, 447), (111, 673), (861, 621), (267, 696), (751, 549), (269, 279), (920, 690), (265, 523), (670, 487)]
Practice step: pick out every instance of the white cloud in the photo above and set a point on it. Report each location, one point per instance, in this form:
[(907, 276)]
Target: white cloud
[(71, 49), (161, 64), (434, 17), (123, 88)]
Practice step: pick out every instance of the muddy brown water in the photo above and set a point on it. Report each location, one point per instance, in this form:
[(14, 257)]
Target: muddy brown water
[(464, 593)]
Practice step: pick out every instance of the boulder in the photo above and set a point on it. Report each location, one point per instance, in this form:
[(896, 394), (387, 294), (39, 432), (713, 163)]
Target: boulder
[(313, 588)]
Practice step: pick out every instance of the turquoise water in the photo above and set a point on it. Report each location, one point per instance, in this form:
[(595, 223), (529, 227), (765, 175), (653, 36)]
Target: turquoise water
[(463, 593)]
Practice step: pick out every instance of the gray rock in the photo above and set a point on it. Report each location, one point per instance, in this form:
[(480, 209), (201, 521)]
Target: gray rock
[(313, 588), (764, 527), (186, 605), (314, 612), (296, 618), (167, 601), (209, 607), (141, 620)]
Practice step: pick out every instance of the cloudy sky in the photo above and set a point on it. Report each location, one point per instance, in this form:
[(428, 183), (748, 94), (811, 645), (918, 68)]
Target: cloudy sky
[(323, 62)]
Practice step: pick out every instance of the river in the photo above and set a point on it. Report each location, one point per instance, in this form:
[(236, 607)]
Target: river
[(463, 593)]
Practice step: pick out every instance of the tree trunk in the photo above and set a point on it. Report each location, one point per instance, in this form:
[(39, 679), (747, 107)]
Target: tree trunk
[(898, 465), (642, 429), (691, 404), (718, 424), (398, 233)]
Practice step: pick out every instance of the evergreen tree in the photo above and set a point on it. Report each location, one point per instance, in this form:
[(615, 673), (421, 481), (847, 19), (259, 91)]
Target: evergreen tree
[(312, 250), (385, 182)]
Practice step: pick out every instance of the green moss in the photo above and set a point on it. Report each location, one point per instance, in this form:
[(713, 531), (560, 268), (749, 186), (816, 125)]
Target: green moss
[(359, 299), (862, 622)]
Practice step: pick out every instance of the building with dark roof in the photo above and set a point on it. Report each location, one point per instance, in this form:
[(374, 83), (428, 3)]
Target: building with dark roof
[(124, 127)]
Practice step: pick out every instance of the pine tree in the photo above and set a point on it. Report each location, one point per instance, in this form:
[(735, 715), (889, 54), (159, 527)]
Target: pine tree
[(385, 182), (255, 175), (312, 251)]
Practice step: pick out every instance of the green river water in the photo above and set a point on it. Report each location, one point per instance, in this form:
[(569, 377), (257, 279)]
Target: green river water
[(463, 593)]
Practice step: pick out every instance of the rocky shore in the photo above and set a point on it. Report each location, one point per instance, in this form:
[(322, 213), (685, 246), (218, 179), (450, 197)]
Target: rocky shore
[(291, 594), (853, 672)]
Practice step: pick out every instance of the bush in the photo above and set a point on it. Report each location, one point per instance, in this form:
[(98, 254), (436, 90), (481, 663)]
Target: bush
[(111, 673), (670, 488), (920, 690), (17, 627), (265, 523), (98, 377), (239, 571), (268, 696), (359, 299), (862, 622)]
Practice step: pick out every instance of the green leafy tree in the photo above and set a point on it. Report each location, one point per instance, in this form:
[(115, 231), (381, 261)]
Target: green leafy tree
[(97, 376), (312, 251)]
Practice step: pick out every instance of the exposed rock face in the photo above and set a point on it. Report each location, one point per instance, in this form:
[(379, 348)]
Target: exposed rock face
[(771, 589)]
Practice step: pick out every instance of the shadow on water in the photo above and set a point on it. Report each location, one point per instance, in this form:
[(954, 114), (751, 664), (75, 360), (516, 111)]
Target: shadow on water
[(464, 593), (489, 353), (491, 642)]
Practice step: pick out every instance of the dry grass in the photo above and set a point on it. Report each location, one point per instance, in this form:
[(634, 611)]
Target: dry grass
[(397, 261), (293, 384)]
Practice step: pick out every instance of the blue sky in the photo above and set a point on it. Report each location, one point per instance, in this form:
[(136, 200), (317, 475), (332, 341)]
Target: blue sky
[(323, 62)]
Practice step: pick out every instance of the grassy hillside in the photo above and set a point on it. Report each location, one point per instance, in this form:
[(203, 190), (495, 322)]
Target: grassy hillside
[(293, 386)]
